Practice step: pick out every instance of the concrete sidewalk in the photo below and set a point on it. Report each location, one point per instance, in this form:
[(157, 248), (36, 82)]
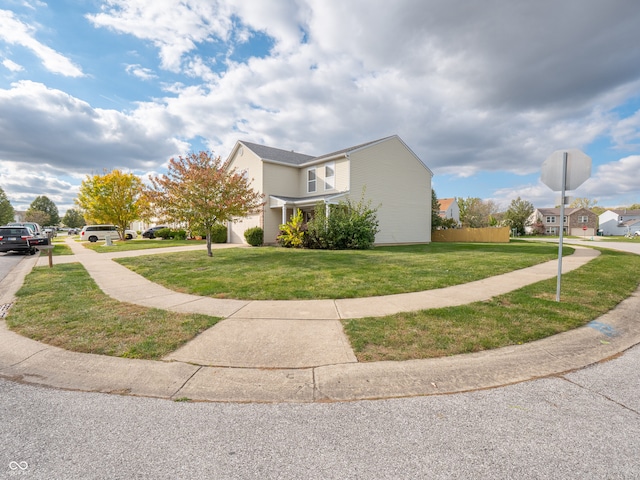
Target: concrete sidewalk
[(296, 351)]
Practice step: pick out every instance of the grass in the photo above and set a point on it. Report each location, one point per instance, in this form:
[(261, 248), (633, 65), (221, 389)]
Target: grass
[(524, 315), (81, 318), (283, 274), (139, 244), (62, 306)]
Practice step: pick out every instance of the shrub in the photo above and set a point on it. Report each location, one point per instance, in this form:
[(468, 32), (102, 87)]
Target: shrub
[(179, 234), (254, 236), (218, 233), (293, 232), (163, 233)]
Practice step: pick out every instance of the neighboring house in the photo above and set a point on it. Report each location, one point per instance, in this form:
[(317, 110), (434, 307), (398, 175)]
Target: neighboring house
[(547, 221), (449, 209), (619, 221), (389, 174)]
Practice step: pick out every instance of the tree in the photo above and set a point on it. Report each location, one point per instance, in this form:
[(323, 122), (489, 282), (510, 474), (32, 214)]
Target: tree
[(583, 202), (7, 212), (43, 204), (436, 219), (73, 219), (518, 213), (112, 198), (202, 190), (476, 213), (37, 216)]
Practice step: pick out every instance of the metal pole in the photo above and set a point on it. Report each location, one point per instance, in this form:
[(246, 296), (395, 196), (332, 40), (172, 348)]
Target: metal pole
[(564, 185)]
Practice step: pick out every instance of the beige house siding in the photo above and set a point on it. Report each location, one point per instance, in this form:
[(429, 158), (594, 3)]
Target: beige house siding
[(399, 184)]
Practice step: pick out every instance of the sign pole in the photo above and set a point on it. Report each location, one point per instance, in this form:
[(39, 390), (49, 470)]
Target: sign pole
[(564, 185)]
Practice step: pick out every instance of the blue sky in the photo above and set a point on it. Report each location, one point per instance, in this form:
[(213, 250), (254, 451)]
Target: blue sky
[(483, 92)]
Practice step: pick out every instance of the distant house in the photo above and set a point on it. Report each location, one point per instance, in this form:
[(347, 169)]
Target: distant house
[(619, 221), (449, 209), (577, 221), (389, 173)]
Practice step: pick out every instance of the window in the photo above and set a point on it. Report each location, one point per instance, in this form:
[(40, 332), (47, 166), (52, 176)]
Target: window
[(583, 219), (311, 180), (551, 220), (552, 231), (329, 176)]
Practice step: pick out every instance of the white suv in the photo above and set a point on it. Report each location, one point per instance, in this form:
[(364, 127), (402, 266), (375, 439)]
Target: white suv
[(93, 233)]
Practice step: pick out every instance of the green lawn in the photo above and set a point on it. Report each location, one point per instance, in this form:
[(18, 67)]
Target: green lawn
[(62, 306), (283, 274), (139, 244)]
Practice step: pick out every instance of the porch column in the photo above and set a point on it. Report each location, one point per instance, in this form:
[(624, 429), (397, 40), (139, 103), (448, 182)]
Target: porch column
[(284, 213)]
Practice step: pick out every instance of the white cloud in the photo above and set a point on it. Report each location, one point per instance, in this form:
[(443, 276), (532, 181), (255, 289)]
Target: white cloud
[(140, 72), (12, 66), (13, 31)]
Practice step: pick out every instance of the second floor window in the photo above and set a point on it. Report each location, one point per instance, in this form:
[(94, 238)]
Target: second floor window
[(583, 219), (329, 177), (551, 220), (311, 180)]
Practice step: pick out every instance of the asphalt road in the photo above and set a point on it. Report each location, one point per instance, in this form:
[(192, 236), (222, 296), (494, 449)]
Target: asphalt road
[(584, 424), (8, 260)]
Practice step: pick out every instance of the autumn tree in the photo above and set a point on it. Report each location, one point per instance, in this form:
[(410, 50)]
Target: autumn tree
[(583, 202), (202, 190), (477, 213), (45, 205), (73, 218), (6, 209), (518, 213), (112, 198)]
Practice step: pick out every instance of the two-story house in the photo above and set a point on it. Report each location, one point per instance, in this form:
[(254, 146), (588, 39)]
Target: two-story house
[(619, 221), (577, 221), (386, 171)]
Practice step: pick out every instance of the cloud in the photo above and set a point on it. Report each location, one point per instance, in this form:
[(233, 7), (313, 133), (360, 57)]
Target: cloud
[(11, 65), (140, 72), (13, 31)]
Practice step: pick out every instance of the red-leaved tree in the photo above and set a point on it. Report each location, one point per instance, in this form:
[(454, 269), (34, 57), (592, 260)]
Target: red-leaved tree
[(201, 190)]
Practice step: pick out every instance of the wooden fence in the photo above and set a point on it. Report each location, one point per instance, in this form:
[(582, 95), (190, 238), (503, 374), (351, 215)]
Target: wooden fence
[(472, 235)]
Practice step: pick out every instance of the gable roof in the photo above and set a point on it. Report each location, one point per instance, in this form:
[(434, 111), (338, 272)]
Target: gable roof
[(289, 157), (445, 203), (626, 212), (277, 154)]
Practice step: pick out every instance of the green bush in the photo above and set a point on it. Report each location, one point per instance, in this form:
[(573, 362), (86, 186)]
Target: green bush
[(163, 233), (254, 236), (179, 234), (218, 233)]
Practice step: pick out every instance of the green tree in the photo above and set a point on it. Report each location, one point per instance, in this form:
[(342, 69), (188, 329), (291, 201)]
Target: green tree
[(518, 213), (202, 190), (7, 212), (111, 198), (44, 204), (436, 219), (73, 218), (476, 213)]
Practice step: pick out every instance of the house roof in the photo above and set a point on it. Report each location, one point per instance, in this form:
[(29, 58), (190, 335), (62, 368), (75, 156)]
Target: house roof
[(277, 154), (445, 203), (567, 211), (626, 212)]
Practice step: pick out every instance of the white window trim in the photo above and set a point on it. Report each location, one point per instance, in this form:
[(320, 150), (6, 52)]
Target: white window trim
[(330, 185), (313, 181)]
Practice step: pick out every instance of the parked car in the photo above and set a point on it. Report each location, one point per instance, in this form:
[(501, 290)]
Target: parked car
[(50, 231), (73, 231), (35, 227), (93, 233), (39, 237), (16, 238), (151, 232)]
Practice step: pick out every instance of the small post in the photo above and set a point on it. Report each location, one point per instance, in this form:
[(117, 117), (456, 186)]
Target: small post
[(564, 187), (50, 250)]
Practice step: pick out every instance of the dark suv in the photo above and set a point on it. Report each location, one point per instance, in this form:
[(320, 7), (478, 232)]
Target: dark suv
[(151, 232), (39, 237), (17, 238)]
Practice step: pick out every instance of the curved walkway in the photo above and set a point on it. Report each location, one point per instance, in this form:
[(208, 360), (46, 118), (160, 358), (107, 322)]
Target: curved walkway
[(296, 351)]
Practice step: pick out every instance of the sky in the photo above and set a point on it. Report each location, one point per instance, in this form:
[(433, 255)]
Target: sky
[(482, 92)]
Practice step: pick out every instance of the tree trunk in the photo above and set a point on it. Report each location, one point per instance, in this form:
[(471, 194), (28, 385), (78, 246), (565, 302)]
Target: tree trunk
[(209, 252)]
